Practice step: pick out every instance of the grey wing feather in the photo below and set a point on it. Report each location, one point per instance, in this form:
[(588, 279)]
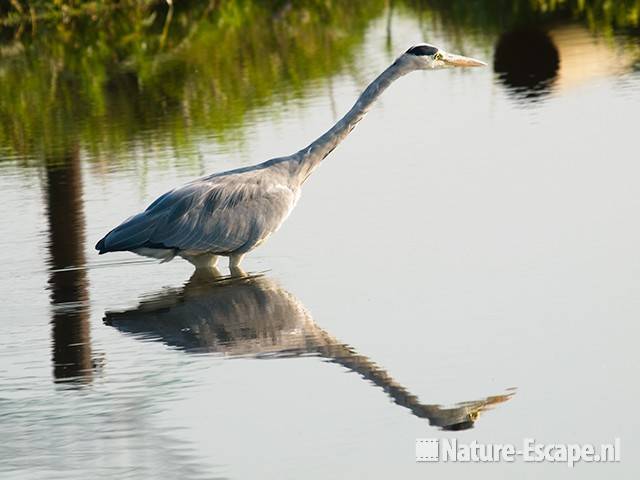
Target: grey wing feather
[(222, 214), (136, 231)]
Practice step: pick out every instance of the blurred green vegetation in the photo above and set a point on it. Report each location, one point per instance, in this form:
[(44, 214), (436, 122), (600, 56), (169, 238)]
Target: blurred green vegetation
[(158, 75), (494, 16), (111, 76)]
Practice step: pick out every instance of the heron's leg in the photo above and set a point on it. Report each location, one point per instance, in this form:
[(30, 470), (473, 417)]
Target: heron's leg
[(237, 272), (234, 260), (234, 265), (204, 275), (203, 261)]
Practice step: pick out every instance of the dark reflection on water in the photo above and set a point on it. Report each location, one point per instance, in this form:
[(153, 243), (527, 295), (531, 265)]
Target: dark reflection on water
[(71, 341), (254, 316), (526, 62)]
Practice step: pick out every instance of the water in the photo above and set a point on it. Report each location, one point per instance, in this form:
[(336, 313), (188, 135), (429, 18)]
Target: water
[(465, 265)]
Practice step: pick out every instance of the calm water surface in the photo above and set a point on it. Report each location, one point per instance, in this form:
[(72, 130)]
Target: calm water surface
[(465, 265)]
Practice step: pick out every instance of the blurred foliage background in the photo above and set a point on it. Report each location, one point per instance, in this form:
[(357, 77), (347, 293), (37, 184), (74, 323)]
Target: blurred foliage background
[(103, 74), (196, 65)]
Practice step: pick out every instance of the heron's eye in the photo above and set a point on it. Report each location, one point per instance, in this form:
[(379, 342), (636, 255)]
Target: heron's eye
[(437, 56)]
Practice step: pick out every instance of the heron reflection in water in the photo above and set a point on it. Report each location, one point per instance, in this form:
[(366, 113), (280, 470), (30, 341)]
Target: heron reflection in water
[(252, 315)]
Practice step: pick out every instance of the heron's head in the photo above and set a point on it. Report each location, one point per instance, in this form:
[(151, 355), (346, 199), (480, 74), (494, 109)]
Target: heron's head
[(427, 57)]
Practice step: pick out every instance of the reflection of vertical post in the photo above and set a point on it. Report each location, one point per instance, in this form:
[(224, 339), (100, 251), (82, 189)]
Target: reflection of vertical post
[(70, 323)]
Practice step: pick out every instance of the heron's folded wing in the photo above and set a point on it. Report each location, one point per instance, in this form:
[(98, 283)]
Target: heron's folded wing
[(223, 216), (136, 231)]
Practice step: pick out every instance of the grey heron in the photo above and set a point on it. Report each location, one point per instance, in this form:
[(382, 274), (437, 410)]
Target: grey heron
[(233, 212)]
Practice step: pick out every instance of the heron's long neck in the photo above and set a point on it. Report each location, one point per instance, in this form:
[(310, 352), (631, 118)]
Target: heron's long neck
[(310, 157)]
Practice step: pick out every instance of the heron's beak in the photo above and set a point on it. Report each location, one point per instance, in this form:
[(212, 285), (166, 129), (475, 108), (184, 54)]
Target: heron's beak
[(452, 60)]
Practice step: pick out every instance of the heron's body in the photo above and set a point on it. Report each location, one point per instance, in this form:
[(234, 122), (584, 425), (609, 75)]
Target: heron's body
[(231, 213), (227, 214)]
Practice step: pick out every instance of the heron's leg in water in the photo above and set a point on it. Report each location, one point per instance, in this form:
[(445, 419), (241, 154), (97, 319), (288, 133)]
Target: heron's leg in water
[(204, 261), (234, 260), (237, 272), (205, 275)]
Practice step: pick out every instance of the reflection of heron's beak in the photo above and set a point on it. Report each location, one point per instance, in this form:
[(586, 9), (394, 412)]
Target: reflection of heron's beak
[(452, 60)]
